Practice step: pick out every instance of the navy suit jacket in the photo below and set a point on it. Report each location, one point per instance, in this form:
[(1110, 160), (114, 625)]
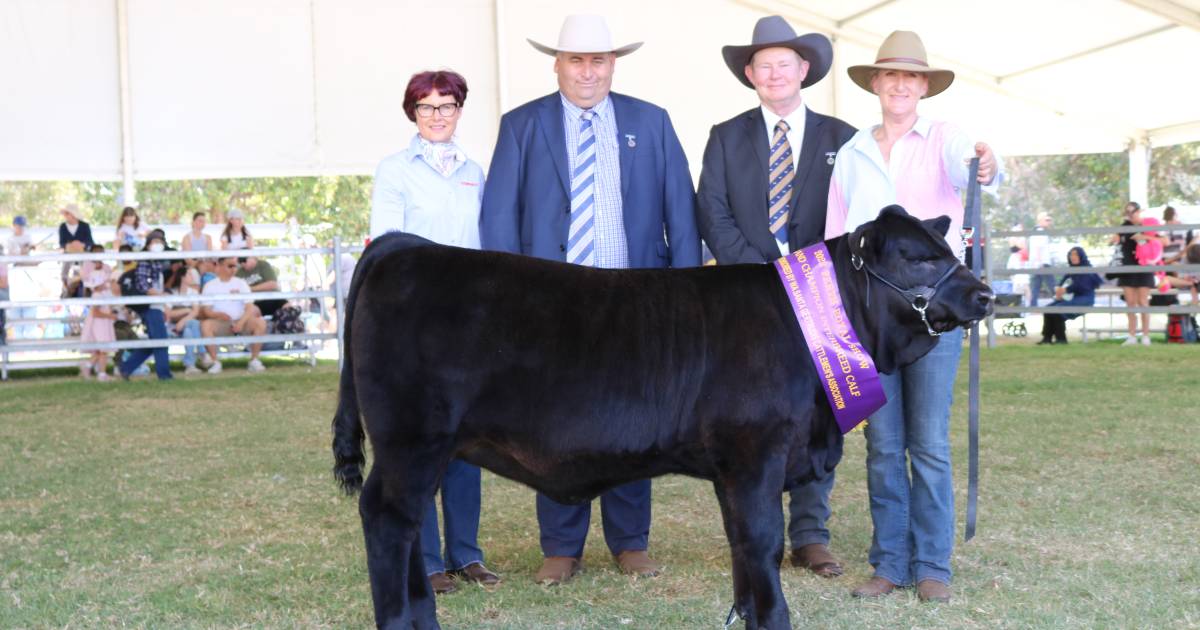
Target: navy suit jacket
[(527, 204), (732, 199)]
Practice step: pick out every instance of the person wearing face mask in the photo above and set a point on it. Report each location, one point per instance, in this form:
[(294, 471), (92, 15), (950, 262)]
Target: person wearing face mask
[(148, 280), (432, 189)]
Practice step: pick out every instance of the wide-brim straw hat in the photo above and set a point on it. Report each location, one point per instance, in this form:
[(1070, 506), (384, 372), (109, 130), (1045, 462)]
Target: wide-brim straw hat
[(585, 34), (72, 210), (902, 50), (774, 32)]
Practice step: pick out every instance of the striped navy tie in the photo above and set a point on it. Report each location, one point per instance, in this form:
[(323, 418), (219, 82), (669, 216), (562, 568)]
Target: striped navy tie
[(581, 239), (782, 174)]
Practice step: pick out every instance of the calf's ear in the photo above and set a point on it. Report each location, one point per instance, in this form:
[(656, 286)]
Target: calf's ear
[(941, 225)]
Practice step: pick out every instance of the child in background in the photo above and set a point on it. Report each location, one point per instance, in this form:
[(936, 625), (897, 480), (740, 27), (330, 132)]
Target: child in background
[(98, 326), (129, 230)]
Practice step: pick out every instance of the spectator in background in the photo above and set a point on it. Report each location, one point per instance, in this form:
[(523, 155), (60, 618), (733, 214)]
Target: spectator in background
[(1041, 254), (129, 230), (20, 243), (1075, 289), (184, 319), (98, 325), (230, 317), (197, 240), (3, 296), (148, 280), (74, 237), (1176, 240), (74, 234), (1135, 286), (261, 277), (235, 235)]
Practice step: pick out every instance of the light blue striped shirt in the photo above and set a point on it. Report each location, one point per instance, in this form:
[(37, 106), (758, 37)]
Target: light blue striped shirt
[(612, 250), (410, 196)]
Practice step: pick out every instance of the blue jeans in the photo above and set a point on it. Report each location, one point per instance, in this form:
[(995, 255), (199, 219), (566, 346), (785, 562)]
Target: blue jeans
[(808, 509), (191, 330), (624, 511), (460, 509), (157, 327), (913, 516), (1036, 282)]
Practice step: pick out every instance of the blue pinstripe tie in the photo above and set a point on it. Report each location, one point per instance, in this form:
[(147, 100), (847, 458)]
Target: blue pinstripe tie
[(581, 239)]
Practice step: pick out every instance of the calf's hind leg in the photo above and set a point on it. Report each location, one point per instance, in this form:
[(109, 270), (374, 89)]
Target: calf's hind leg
[(391, 506)]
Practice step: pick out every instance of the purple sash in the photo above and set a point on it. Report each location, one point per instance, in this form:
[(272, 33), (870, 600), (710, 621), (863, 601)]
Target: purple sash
[(845, 369)]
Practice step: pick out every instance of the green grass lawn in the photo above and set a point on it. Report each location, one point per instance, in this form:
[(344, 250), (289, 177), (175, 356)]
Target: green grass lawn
[(209, 503)]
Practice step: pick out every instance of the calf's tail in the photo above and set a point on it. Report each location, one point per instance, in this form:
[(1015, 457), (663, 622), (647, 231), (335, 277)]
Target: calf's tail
[(348, 433)]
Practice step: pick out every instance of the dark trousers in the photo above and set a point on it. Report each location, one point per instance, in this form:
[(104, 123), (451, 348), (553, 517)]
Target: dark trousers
[(460, 515), (625, 511), (808, 510), (1054, 327), (157, 327)]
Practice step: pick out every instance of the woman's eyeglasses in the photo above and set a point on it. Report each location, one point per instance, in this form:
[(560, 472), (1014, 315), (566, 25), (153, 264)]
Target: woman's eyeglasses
[(425, 110)]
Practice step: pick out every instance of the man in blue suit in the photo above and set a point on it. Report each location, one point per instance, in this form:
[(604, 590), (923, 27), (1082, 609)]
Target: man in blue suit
[(594, 178)]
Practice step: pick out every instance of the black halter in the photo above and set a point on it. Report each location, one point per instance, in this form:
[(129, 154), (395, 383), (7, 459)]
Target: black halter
[(918, 297)]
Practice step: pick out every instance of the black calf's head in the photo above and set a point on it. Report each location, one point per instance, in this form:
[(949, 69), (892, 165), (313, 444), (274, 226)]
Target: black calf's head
[(917, 287)]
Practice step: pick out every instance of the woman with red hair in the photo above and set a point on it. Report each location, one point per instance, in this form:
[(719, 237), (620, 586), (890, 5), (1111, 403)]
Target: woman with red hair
[(433, 190)]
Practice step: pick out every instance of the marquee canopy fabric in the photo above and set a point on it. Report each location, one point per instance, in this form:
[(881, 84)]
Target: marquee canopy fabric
[(240, 88)]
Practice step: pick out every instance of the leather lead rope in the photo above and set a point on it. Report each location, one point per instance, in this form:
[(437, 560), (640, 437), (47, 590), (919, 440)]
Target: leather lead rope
[(972, 227)]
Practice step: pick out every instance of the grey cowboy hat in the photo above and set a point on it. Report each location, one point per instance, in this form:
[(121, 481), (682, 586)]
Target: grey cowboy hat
[(774, 32)]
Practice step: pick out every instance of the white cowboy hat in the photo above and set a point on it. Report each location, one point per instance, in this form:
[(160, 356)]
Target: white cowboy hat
[(902, 50), (585, 34)]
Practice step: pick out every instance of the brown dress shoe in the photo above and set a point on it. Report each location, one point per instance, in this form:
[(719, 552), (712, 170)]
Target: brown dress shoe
[(557, 569), (816, 558), (933, 591), (476, 572), (637, 563), (442, 583), (874, 587)]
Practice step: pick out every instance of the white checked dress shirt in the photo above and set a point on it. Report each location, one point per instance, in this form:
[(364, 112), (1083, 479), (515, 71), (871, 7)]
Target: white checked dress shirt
[(612, 250)]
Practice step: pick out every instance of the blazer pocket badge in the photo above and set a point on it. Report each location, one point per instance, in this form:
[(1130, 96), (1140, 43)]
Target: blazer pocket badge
[(631, 140), (829, 155)]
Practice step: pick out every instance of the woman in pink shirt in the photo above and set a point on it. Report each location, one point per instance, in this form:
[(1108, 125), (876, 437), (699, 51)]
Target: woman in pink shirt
[(921, 165)]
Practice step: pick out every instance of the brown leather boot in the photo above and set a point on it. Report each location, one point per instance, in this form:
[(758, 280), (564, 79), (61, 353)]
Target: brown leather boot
[(442, 583), (817, 558), (933, 591), (557, 569), (476, 572), (874, 587), (637, 562)]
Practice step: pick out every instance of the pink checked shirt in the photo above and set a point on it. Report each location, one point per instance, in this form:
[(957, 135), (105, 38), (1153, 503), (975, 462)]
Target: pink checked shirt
[(925, 175)]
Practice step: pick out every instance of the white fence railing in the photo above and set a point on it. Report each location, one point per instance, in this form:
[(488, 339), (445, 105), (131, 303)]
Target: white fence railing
[(993, 272), (16, 353)]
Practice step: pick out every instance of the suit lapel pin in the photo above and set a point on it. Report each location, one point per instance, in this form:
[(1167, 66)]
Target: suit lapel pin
[(829, 157), (631, 140)]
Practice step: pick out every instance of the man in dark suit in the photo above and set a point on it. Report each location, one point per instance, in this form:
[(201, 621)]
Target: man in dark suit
[(595, 178), (763, 193)]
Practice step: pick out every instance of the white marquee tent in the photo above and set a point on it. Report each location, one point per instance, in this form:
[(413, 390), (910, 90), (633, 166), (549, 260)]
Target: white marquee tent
[(169, 89)]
